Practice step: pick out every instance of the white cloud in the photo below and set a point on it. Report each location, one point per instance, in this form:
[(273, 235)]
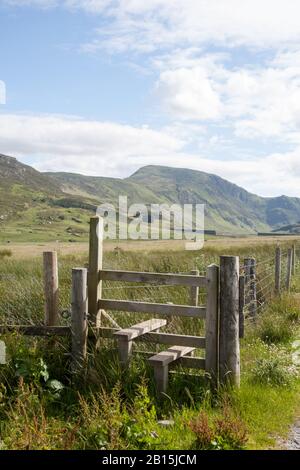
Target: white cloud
[(151, 24), (70, 143), (66, 143), (189, 94), (254, 100)]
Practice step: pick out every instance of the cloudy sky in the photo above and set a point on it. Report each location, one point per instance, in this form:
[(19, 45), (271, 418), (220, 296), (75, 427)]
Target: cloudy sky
[(103, 87)]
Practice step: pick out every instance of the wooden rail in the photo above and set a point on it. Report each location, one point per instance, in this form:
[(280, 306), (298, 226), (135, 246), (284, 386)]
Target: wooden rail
[(153, 278), (148, 307)]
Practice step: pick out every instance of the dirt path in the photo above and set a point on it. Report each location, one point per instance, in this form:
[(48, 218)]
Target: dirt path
[(293, 442)]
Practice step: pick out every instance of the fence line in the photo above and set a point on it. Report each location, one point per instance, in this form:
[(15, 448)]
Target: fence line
[(226, 298)]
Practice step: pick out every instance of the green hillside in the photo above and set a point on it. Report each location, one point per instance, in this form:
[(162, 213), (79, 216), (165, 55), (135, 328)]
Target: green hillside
[(38, 206), (229, 208), (33, 207)]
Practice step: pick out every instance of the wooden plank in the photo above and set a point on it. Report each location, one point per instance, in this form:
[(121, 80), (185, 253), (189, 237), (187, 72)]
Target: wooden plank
[(229, 321), (95, 265), (186, 361), (212, 324), (79, 325), (153, 278), (148, 307), (141, 328), (39, 330), (160, 338), (180, 340), (51, 287), (170, 355)]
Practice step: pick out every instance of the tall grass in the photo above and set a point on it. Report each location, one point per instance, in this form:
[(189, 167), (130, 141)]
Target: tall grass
[(42, 406)]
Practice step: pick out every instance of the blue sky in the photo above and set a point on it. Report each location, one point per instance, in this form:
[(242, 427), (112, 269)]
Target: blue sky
[(104, 87)]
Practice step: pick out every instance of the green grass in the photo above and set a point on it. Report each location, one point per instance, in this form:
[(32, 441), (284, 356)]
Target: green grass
[(41, 407)]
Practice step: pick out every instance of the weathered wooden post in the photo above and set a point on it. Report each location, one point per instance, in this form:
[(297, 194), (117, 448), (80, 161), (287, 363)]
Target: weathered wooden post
[(247, 268), (253, 291), (289, 269), (95, 265), (229, 321), (278, 270), (79, 323), (51, 287), (294, 260), (194, 293), (241, 306), (212, 324)]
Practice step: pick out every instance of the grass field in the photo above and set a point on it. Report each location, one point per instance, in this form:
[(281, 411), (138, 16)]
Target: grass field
[(218, 244), (42, 408)]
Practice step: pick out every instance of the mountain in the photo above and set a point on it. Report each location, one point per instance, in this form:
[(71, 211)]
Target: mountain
[(33, 207), (228, 208), (40, 206), (21, 185)]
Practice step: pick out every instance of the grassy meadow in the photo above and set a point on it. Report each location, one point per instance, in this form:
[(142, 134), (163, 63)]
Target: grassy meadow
[(42, 407)]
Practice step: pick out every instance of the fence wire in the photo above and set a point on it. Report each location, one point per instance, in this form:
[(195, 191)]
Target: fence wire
[(259, 286)]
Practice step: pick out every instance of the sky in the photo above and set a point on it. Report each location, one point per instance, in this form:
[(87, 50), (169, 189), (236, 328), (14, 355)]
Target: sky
[(103, 87)]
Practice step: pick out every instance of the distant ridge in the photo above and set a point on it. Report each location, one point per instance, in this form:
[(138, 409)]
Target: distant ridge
[(29, 196)]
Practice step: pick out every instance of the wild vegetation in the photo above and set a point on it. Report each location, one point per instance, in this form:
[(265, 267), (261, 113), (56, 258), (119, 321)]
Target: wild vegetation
[(43, 407)]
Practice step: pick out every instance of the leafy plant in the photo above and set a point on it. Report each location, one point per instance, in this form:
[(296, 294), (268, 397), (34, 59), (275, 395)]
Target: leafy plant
[(219, 433)]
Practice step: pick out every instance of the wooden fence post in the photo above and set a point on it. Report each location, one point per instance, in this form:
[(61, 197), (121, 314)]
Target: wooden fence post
[(277, 270), (95, 265), (51, 287), (247, 268), (79, 324), (194, 293), (289, 269), (253, 295), (229, 321), (294, 260), (241, 306), (212, 324)]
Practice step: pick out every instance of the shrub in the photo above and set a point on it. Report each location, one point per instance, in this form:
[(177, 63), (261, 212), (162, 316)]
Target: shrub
[(29, 428), (226, 432), (273, 371)]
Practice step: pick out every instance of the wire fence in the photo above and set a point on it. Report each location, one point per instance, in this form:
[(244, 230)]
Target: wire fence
[(266, 277)]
